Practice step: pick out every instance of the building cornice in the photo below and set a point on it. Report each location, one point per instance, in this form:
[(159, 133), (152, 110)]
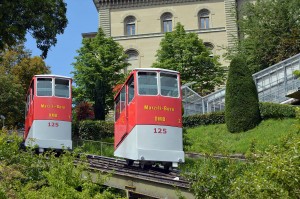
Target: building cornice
[(152, 35), (116, 4)]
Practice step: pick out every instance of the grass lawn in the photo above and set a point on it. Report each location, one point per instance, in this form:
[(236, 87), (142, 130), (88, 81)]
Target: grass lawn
[(215, 139), (104, 147)]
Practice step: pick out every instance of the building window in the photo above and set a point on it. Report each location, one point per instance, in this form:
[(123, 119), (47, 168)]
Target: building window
[(132, 59), (130, 25), (166, 22), (203, 16)]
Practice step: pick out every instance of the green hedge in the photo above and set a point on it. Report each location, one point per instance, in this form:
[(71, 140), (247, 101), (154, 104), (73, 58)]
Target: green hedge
[(273, 110), (205, 119), (95, 130), (267, 110)]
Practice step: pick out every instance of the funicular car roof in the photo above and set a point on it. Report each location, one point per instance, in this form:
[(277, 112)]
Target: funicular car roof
[(53, 75), (140, 70)]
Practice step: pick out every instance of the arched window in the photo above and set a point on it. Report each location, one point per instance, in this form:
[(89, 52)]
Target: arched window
[(210, 48), (132, 59), (166, 22), (203, 17), (130, 23)]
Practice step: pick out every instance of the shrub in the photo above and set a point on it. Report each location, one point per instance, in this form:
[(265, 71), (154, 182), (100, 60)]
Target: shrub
[(213, 178), (205, 119), (241, 99), (26, 175), (84, 110), (274, 173), (272, 110), (95, 130)]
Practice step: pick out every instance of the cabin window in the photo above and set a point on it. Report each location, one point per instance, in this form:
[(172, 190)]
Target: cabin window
[(32, 88), (44, 87), (147, 83), (120, 103), (169, 85), (27, 104), (130, 89), (123, 99), (62, 88), (117, 108)]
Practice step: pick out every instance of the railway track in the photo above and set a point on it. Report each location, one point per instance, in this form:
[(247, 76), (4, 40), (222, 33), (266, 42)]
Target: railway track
[(119, 167)]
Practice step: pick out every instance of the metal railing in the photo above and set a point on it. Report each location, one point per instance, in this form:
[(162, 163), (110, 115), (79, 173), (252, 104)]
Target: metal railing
[(273, 85), (95, 147)]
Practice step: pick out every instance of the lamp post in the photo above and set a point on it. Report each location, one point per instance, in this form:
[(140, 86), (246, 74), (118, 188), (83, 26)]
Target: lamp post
[(3, 118)]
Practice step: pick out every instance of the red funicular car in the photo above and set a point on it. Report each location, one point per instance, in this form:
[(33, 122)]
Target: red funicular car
[(48, 112), (148, 118)]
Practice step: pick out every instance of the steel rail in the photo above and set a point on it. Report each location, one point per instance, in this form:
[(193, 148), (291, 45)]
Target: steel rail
[(119, 167)]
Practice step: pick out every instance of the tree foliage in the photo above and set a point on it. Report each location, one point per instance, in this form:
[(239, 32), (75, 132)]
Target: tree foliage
[(84, 110), (42, 19), (271, 31), (27, 68), (186, 53), (241, 98), (97, 71), (12, 101), (17, 67)]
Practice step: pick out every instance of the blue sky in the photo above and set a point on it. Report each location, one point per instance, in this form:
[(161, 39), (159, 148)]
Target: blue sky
[(82, 16)]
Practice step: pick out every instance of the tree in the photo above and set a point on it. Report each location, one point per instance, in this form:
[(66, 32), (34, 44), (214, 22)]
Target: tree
[(9, 57), (271, 31), (241, 98), (97, 71), (42, 19), (12, 101), (27, 68), (18, 62), (186, 53), (17, 67)]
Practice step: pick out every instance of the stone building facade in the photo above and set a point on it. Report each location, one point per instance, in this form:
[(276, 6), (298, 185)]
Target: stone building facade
[(139, 25)]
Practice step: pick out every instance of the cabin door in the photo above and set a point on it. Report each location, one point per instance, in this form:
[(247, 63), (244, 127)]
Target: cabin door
[(130, 111)]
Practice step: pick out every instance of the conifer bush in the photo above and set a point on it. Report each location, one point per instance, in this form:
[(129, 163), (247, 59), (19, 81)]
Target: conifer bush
[(241, 99)]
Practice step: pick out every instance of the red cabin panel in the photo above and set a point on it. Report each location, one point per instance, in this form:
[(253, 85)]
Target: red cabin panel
[(52, 108), (159, 110), (56, 108), (146, 109)]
